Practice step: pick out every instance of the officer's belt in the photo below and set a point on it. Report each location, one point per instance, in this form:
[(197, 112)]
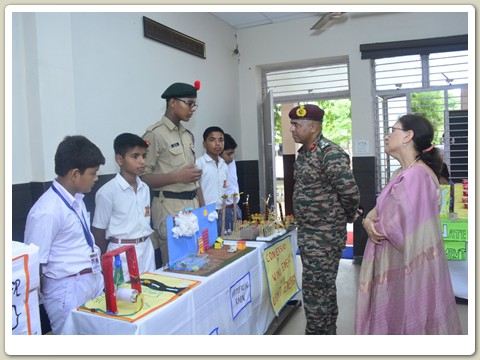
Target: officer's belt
[(184, 195)]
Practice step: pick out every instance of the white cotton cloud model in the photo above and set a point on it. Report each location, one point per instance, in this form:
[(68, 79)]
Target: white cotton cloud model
[(186, 224), (213, 216)]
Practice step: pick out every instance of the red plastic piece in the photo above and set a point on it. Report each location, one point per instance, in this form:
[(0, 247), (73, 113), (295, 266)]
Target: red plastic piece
[(107, 267)]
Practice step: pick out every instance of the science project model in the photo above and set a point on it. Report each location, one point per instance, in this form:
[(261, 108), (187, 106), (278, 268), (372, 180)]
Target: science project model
[(113, 279), (260, 227), (141, 295), (190, 234)]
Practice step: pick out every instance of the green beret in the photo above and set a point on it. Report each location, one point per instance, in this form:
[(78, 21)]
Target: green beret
[(306, 112), (177, 90)]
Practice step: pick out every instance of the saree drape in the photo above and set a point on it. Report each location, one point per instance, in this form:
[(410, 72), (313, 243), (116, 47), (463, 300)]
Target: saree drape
[(404, 283)]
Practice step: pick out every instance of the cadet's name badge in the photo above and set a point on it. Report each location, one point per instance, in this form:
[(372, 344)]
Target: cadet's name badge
[(175, 145)]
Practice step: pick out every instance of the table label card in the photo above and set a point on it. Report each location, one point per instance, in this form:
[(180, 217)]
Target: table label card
[(282, 283), (240, 294)]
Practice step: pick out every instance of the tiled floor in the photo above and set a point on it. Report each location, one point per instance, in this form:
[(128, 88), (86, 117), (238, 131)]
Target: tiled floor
[(346, 290)]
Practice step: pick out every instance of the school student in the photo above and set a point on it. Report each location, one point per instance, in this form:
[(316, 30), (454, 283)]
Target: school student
[(59, 224), (228, 154), (122, 206), (215, 171)]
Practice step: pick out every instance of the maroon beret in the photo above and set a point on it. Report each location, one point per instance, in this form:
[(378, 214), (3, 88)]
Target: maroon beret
[(306, 112)]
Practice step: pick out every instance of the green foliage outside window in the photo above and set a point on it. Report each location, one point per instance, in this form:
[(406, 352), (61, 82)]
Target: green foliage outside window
[(337, 123), (431, 105)]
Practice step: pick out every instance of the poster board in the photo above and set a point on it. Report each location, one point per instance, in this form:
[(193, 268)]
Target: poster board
[(25, 284), (279, 267), (455, 238)]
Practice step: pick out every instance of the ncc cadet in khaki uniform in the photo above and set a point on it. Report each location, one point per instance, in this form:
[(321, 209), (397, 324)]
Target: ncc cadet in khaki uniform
[(170, 169), (325, 198)]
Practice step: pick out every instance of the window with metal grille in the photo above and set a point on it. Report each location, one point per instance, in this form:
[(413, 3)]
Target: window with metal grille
[(310, 82), (434, 85)]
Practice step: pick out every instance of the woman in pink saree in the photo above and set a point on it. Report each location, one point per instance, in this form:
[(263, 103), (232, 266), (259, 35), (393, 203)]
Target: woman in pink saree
[(404, 284)]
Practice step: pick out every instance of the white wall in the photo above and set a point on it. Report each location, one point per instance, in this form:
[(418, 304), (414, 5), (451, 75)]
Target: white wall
[(293, 42), (96, 74)]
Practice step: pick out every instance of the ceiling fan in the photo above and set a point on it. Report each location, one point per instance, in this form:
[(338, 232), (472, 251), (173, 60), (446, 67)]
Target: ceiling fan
[(327, 18)]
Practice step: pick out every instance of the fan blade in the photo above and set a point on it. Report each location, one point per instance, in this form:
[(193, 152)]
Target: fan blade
[(325, 19)]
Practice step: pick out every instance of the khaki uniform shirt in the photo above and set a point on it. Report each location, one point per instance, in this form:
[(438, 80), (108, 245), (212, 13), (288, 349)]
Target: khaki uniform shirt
[(171, 148)]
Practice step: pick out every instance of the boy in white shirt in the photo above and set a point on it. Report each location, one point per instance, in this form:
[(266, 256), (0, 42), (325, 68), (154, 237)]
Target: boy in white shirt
[(215, 171), (59, 224), (122, 206), (228, 154)]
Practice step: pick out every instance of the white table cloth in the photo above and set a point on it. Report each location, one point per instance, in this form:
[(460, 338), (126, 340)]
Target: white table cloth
[(205, 309)]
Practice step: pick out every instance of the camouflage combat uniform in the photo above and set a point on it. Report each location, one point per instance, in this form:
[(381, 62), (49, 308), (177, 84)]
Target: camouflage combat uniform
[(325, 198)]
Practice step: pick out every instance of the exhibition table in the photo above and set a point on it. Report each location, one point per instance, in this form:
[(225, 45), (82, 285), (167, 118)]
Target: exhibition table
[(205, 309)]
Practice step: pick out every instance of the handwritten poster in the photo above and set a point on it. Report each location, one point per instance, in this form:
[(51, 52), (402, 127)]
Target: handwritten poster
[(25, 284), (20, 287), (282, 283), (240, 294)]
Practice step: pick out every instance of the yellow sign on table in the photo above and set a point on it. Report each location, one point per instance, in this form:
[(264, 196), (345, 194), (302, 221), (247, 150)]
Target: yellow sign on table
[(280, 269)]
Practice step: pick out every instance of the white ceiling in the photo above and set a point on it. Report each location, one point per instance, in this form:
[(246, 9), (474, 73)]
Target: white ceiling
[(242, 20)]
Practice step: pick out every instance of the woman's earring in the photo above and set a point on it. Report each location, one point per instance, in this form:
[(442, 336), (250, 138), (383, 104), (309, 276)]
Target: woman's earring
[(404, 144)]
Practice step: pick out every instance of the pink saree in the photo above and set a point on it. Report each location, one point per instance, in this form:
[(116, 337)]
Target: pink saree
[(404, 284)]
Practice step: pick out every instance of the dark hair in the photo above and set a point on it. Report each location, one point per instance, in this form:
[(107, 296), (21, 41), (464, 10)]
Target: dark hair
[(444, 171), (211, 129), (229, 142), (77, 152), (127, 141), (423, 132)]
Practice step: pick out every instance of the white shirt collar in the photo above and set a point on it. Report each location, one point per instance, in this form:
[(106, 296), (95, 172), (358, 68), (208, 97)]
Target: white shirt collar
[(208, 158), (71, 199), (124, 184)]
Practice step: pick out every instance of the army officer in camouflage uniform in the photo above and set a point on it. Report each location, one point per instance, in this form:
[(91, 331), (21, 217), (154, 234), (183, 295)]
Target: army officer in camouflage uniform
[(325, 198), (170, 168)]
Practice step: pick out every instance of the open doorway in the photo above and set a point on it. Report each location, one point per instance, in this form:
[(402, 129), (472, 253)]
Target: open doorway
[(324, 83)]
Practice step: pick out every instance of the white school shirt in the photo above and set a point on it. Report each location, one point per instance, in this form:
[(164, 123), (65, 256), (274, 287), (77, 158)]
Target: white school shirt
[(57, 231), (214, 179), (232, 182), (122, 212)]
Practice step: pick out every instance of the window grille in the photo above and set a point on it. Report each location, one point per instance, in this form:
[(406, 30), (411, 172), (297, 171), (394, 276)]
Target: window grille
[(432, 85), (308, 82)]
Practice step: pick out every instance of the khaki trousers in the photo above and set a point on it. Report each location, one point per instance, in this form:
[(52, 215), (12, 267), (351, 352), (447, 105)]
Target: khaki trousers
[(161, 208)]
